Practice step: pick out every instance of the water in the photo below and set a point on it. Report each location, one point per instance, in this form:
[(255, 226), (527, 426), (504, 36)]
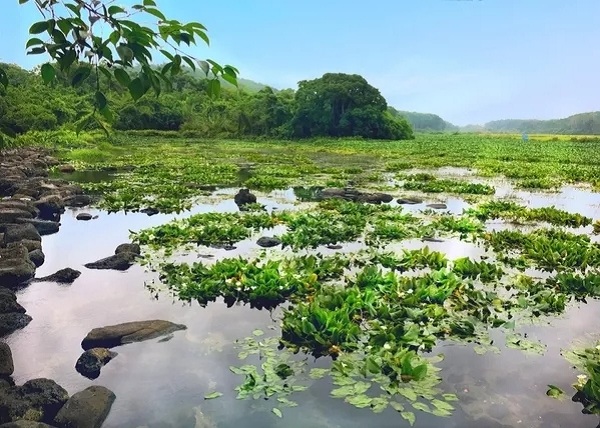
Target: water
[(163, 384)]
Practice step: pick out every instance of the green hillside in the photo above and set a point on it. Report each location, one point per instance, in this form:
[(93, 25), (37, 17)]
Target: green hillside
[(578, 124), (424, 122)]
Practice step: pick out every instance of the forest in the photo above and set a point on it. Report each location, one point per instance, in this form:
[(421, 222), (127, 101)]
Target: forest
[(335, 105)]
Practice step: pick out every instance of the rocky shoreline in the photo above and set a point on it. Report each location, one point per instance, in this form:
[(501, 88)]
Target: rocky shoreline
[(31, 205)]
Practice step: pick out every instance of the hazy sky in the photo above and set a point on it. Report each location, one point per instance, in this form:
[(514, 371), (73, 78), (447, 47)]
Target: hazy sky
[(468, 61)]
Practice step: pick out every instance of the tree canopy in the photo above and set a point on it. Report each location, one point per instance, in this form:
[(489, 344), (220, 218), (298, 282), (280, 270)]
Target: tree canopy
[(342, 105)]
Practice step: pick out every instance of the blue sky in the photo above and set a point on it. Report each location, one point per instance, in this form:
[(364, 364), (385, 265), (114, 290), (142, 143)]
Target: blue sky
[(468, 61)]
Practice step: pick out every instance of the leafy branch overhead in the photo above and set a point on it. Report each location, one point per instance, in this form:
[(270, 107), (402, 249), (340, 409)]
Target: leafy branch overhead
[(72, 34)]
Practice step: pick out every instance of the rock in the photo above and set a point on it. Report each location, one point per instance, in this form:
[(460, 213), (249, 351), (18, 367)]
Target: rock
[(226, 247), (50, 206), (92, 360), (27, 243), (8, 302), (44, 227), (149, 211), (409, 201), (437, 206), (86, 409), (37, 257), (334, 247), (66, 168), (431, 239), (63, 276), (9, 215), (121, 261), (374, 198), (268, 241), (19, 205), (15, 266), (19, 232), (12, 322), (137, 331), (37, 400), (84, 216), (6, 361), (25, 424), (128, 248), (77, 201), (244, 197)]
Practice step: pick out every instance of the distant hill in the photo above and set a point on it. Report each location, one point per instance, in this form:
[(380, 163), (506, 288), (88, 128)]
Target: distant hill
[(578, 124), (424, 122)]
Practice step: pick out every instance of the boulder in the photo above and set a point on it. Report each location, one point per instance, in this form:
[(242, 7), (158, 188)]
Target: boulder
[(37, 400), (9, 215), (129, 248), (27, 243), (121, 261), (77, 200), (149, 211), (437, 206), (50, 206), (92, 360), (15, 266), (44, 227), (6, 361), (8, 302), (66, 168), (19, 232), (19, 205), (409, 201), (268, 241), (374, 198), (25, 424), (63, 276), (13, 321), (244, 197), (86, 409), (137, 331), (37, 257)]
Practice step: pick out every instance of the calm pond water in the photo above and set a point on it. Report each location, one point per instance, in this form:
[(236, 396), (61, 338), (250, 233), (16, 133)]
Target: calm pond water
[(163, 384)]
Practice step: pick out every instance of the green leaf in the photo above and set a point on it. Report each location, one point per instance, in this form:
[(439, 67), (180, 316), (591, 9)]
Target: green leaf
[(554, 392), (258, 332), (397, 406), (33, 42), (409, 416), (136, 88), (421, 406), (204, 66), (100, 100), (214, 87), (277, 412), (361, 401), (450, 397), (80, 75), (48, 73), (122, 77), (213, 395), (39, 27), (149, 3), (317, 373), (408, 393), (157, 13), (112, 10)]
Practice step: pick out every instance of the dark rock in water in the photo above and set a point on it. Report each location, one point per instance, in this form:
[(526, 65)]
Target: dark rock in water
[(6, 361), (66, 168), (84, 216), (137, 331), (268, 241), (9, 215), (8, 302), (128, 248), (44, 227), (226, 247), (431, 239), (244, 197), (77, 201), (63, 276), (409, 201), (37, 257), (149, 211), (25, 424), (15, 266), (37, 400), (86, 409), (27, 243), (437, 206), (121, 261), (92, 360), (50, 206), (12, 322), (374, 198), (334, 247), (19, 232)]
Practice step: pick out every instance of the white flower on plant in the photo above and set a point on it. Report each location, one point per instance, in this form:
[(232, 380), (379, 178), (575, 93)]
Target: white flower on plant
[(387, 346), (581, 379)]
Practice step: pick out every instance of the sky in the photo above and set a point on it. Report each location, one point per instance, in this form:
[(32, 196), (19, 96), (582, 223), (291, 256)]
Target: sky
[(470, 61)]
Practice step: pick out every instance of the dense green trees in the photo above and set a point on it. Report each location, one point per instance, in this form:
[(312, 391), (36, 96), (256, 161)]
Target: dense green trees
[(357, 109), (342, 105), (424, 122), (579, 124)]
